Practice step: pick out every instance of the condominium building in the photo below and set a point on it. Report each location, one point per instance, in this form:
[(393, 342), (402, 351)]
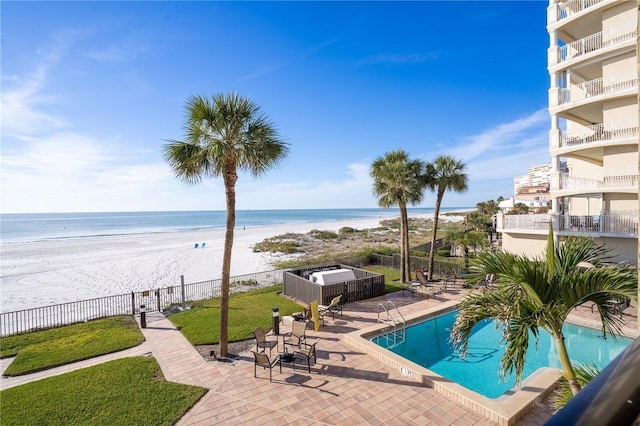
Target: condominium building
[(593, 104)]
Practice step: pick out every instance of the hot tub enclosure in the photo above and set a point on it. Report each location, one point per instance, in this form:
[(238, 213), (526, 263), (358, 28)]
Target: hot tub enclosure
[(352, 283)]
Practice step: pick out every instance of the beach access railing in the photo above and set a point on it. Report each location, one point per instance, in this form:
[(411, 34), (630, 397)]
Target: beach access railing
[(158, 299)]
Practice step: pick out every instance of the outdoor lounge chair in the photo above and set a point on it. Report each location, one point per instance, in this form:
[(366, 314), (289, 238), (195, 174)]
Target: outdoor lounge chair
[(306, 355), (261, 359), (297, 335), (262, 342), (427, 288), (331, 308)]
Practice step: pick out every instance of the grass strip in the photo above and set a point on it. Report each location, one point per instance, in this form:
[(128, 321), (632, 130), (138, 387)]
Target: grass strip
[(127, 391), (50, 348), (201, 324)]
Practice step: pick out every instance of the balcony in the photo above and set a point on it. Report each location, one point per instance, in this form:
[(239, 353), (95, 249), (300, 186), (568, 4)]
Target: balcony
[(571, 7), (525, 222), (614, 84), (612, 225), (600, 224), (599, 133), (604, 39), (614, 179)]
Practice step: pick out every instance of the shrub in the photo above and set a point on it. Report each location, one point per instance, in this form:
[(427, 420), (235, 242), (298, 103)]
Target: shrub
[(323, 235), (274, 245)]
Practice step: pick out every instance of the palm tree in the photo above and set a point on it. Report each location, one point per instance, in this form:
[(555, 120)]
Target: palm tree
[(397, 181), (445, 173), (224, 134), (540, 294)]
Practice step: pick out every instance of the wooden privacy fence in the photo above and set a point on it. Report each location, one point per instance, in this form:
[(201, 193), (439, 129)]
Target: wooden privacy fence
[(366, 286), (128, 304)]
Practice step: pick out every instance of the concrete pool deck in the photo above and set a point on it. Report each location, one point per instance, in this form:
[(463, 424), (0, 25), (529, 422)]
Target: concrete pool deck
[(346, 385)]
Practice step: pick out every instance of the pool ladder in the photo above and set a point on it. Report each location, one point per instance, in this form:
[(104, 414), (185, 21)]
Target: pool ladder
[(392, 317)]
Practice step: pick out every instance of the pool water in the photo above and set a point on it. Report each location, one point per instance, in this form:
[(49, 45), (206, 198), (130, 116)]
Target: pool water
[(427, 344)]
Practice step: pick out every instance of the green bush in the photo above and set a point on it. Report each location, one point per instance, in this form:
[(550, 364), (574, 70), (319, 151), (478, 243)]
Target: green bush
[(347, 230), (323, 235), (275, 245)]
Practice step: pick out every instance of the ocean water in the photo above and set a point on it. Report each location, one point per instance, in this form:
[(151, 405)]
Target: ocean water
[(27, 227)]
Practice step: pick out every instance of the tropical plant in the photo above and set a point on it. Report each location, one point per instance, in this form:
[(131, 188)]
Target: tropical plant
[(398, 181), (468, 240), (539, 294), (225, 134), (584, 374), (445, 173), (519, 208)]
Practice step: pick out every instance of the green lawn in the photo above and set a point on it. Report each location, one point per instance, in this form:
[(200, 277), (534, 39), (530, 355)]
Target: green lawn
[(391, 277), (127, 391), (50, 348), (201, 324)]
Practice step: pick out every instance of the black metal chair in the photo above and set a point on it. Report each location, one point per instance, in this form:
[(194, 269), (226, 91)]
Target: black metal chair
[(262, 359), (306, 355), (262, 342)]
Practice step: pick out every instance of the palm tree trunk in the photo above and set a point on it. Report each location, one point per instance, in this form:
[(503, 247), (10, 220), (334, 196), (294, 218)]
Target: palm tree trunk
[(432, 250), (230, 178), (569, 373), (404, 243)]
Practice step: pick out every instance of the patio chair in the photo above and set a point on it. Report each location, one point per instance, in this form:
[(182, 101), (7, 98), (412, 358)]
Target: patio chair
[(489, 280), (306, 355), (297, 335), (420, 276), (261, 359), (262, 342), (331, 308)]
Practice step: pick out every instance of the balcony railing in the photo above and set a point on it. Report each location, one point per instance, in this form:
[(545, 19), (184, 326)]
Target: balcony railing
[(611, 84), (570, 7), (603, 224), (623, 225), (533, 222), (603, 39), (600, 133), (613, 179)]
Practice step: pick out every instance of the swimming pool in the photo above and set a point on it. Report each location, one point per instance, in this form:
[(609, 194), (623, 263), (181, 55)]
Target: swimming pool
[(427, 344)]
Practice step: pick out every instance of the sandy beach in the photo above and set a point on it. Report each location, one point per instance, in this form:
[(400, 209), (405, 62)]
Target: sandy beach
[(52, 272)]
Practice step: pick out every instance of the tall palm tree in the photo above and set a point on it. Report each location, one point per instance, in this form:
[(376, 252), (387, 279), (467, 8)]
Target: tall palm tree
[(540, 294), (397, 181), (445, 173), (224, 134)]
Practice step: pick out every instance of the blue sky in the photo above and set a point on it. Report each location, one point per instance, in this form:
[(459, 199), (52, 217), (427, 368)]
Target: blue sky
[(92, 90)]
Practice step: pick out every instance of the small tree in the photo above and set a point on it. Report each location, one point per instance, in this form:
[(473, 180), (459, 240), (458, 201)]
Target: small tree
[(539, 295)]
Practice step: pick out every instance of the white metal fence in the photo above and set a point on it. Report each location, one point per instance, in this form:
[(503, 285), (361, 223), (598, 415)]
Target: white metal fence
[(128, 304)]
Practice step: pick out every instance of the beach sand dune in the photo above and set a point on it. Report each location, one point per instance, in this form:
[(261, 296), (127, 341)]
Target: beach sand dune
[(52, 272)]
